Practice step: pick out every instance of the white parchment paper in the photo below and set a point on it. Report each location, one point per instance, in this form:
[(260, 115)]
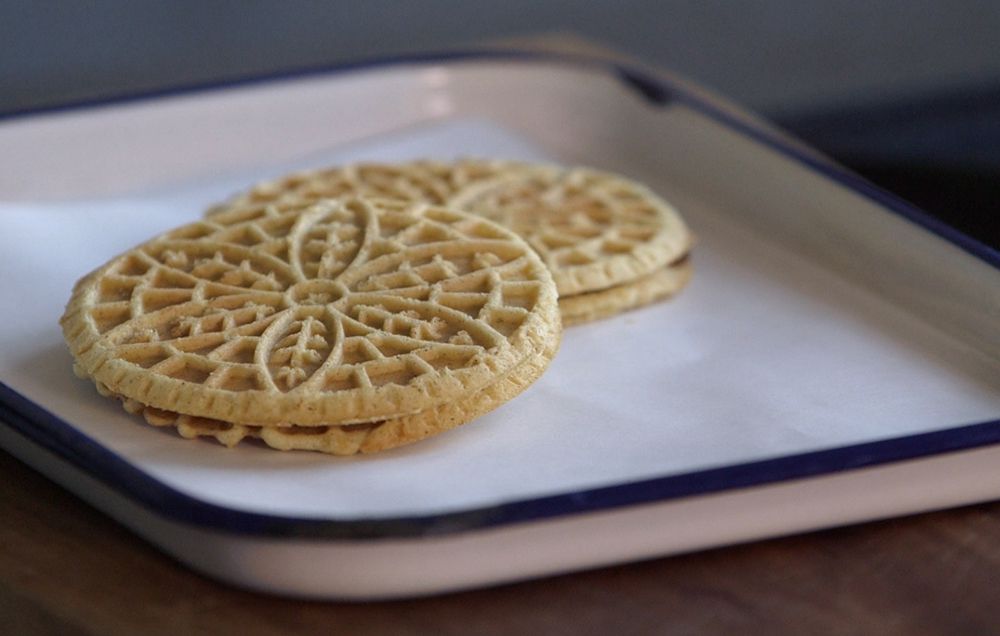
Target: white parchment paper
[(763, 355)]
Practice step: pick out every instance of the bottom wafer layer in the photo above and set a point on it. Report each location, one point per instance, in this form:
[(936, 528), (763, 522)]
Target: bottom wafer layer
[(358, 438), (661, 284)]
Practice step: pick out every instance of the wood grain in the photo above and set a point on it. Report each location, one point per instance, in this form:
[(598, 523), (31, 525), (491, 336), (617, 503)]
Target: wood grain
[(67, 569)]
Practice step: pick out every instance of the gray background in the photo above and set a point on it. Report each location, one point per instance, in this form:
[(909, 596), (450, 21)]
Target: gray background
[(781, 57), (905, 92)]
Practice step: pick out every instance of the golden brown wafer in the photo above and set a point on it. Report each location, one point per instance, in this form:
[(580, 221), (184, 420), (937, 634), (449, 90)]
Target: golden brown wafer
[(340, 312)]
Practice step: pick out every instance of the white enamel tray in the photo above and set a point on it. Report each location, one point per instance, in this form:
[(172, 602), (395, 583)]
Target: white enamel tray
[(836, 357)]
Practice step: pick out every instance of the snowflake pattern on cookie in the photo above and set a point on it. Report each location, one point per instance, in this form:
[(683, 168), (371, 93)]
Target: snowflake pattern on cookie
[(339, 311)]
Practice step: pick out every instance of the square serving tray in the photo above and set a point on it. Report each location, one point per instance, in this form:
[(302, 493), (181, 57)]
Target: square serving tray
[(836, 357)]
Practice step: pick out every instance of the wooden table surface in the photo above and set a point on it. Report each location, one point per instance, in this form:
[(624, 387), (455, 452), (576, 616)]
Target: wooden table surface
[(67, 569)]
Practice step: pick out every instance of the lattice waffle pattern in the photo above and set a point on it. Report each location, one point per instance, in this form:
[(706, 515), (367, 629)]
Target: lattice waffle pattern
[(353, 438), (338, 313), (594, 230)]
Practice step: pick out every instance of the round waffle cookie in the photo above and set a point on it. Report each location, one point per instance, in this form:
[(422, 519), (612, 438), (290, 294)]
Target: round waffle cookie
[(382, 320), (593, 229)]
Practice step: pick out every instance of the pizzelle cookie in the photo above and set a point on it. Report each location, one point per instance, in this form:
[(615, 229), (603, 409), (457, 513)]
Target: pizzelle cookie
[(377, 322)]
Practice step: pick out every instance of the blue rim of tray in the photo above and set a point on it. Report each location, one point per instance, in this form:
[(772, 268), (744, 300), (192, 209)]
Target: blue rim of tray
[(55, 435)]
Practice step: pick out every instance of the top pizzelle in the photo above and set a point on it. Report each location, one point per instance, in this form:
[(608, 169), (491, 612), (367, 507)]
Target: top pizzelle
[(321, 313)]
